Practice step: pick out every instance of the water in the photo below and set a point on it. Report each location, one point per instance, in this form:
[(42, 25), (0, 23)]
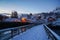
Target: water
[(57, 31)]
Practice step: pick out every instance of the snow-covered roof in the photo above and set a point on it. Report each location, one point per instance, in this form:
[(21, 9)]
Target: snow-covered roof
[(10, 19)]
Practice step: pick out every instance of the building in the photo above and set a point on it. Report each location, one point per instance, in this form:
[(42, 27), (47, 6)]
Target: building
[(14, 14)]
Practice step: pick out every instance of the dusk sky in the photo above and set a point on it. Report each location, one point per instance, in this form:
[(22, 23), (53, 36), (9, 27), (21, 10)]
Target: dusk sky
[(28, 6)]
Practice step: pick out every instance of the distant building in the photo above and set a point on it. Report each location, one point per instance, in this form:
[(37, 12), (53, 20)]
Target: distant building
[(3, 17), (57, 12), (24, 16), (30, 16), (14, 14)]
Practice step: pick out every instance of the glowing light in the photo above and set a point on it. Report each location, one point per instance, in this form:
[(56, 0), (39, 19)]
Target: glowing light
[(23, 20)]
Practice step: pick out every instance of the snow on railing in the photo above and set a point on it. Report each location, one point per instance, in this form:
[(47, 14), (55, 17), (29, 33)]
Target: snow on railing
[(6, 34), (51, 34)]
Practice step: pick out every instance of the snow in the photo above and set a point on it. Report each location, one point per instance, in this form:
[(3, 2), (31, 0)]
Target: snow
[(10, 19), (35, 33)]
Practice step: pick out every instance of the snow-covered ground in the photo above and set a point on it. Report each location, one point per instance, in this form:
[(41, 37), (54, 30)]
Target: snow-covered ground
[(35, 33)]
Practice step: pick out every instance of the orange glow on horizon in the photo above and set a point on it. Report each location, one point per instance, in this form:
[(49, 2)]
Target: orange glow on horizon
[(23, 20)]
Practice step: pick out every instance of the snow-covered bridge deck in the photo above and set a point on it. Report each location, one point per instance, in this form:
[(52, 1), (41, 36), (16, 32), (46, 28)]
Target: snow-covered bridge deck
[(35, 33)]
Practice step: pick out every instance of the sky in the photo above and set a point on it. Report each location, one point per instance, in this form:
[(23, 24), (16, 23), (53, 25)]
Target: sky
[(28, 6)]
